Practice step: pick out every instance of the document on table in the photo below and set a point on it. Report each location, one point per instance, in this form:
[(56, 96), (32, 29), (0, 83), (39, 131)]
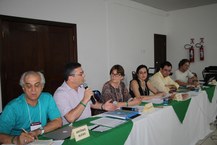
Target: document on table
[(98, 128), (58, 142), (41, 142), (154, 101), (109, 122), (47, 142), (157, 100)]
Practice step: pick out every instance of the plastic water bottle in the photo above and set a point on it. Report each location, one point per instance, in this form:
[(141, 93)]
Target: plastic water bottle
[(165, 101)]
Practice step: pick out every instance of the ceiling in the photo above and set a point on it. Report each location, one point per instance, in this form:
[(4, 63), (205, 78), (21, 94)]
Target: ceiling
[(171, 5)]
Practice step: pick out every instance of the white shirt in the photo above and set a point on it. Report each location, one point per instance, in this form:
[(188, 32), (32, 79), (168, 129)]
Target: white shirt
[(67, 98), (183, 76)]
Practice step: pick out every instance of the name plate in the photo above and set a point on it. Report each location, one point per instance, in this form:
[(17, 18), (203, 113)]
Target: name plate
[(178, 97), (148, 107), (80, 133)]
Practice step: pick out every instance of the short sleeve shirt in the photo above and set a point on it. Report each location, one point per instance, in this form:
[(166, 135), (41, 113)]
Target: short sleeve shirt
[(67, 99), (183, 76), (16, 116), (160, 82)]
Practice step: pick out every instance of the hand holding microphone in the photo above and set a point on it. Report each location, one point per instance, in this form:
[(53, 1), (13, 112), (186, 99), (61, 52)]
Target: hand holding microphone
[(92, 97)]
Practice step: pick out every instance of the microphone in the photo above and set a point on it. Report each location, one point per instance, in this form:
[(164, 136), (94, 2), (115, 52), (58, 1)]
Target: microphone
[(91, 98)]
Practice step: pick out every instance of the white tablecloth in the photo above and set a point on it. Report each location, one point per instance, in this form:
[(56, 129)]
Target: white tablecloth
[(162, 127)]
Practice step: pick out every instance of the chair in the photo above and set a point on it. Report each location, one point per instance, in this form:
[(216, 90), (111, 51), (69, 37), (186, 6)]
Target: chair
[(133, 74), (98, 96), (209, 73), (151, 71)]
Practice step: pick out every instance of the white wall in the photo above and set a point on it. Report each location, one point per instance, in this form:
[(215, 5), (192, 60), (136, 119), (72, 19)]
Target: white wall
[(108, 31), (131, 29), (121, 32), (192, 23)]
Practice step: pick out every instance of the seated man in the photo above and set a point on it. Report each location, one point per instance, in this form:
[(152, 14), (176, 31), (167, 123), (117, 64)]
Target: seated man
[(183, 76), (25, 117), (162, 81), (72, 99)]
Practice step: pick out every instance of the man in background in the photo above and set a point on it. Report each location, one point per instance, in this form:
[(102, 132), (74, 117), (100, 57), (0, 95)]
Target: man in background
[(183, 76), (162, 80)]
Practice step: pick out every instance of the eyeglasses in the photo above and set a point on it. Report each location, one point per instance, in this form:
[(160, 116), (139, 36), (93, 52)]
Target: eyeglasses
[(167, 70), (116, 75), (79, 74)]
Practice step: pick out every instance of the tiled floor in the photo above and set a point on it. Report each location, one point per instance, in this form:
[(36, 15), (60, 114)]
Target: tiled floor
[(211, 139)]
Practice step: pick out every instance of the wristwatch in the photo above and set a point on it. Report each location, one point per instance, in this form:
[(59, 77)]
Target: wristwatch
[(42, 130), (115, 102)]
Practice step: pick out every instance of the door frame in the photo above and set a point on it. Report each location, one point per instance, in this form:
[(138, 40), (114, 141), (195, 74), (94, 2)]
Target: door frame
[(73, 57), (160, 48)]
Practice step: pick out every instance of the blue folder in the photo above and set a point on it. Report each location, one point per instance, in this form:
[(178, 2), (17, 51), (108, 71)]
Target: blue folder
[(121, 114)]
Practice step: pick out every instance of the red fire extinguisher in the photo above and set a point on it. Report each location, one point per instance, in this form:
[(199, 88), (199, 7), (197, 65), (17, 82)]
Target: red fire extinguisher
[(191, 51), (201, 50), (201, 53), (191, 54), (200, 46)]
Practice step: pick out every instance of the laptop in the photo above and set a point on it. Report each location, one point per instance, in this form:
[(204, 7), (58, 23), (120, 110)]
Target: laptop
[(59, 134), (208, 80)]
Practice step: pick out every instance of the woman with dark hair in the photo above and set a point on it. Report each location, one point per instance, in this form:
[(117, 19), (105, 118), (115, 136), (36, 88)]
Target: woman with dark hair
[(116, 91), (140, 87)]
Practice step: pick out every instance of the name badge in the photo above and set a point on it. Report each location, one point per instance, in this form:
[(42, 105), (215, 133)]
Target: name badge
[(80, 133), (35, 125)]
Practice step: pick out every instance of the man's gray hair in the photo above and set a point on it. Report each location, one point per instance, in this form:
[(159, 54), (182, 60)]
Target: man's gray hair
[(24, 75)]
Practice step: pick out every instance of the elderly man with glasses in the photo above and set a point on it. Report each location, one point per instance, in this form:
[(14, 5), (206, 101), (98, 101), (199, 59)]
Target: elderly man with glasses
[(26, 117)]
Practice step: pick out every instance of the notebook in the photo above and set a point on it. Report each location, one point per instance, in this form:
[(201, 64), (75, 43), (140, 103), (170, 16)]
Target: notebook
[(59, 134)]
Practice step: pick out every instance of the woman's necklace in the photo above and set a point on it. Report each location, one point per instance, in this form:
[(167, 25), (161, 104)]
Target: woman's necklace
[(143, 86), (119, 95)]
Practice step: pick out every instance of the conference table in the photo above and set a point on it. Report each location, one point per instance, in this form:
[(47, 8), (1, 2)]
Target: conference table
[(163, 126)]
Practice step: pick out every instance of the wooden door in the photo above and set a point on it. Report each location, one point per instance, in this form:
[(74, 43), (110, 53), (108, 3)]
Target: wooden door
[(159, 50), (28, 44)]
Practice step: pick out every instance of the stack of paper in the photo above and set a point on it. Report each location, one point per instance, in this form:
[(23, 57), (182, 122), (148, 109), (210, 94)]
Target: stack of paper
[(154, 101)]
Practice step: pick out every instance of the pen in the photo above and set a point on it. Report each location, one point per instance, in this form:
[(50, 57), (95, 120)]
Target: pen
[(95, 127), (24, 130)]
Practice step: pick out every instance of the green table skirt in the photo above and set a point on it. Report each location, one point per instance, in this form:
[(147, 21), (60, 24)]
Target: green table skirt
[(115, 136)]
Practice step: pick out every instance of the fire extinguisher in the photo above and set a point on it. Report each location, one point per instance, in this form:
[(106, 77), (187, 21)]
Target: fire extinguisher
[(201, 53), (191, 54), (200, 46), (191, 51)]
